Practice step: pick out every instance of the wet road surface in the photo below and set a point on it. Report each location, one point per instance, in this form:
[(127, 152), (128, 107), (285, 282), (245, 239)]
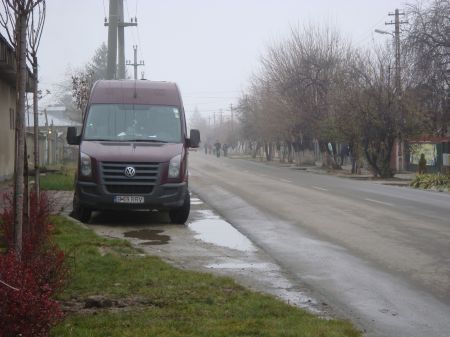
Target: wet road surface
[(380, 254)]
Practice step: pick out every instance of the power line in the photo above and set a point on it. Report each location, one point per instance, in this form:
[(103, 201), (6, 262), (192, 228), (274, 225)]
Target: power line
[(132, 31), (364, 36), (104, 8), (141, 50)]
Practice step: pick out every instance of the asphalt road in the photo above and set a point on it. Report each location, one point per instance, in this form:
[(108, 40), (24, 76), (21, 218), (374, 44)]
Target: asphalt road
[(380, 255)]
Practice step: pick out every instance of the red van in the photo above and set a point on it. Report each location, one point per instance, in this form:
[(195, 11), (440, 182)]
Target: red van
[(133, 150)]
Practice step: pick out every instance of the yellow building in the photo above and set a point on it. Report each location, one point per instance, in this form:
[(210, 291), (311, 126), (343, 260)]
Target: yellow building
[(7, 108)]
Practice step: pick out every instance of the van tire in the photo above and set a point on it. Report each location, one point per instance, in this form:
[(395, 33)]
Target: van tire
[(181, 214), (79, 212)]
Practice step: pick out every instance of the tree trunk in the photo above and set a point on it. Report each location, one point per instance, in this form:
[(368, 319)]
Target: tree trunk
[(21, 50), (26, 202), (36, 133), (379, 158)]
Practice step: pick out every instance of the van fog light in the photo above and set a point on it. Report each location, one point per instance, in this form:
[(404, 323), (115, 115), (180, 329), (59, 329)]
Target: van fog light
[(174, 167)]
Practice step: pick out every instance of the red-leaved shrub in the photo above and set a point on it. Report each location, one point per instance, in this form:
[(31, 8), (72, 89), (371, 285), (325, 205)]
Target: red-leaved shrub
[(28, 283)]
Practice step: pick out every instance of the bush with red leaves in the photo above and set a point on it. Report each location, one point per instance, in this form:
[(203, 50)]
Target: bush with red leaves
[(28, 283)]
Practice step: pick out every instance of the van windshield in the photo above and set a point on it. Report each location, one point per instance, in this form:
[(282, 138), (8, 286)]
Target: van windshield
[(127, 122)]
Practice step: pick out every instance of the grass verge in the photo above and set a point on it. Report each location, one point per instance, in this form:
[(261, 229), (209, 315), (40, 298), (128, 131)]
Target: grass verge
[(156, 299), (58, 181)]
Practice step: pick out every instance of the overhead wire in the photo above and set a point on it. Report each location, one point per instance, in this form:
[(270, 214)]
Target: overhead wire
[(141, 47), (132, 32), (369, 34), (104, 9)]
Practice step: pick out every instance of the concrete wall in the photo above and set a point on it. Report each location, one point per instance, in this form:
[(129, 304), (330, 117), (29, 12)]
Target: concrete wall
[(7, 104), (30, 148)]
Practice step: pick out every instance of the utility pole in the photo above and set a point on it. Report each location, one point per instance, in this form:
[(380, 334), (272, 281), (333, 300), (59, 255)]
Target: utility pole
[(116, 36), (397, 24), (121, 40), (112, 39), (135, 64), (398, 85)]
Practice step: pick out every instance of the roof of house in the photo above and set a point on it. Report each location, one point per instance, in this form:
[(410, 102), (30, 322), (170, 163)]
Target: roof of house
[(55, 116), (8, 65), (430, 139)]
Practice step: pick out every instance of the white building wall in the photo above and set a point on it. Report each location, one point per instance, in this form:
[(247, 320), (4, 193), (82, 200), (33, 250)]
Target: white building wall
[(7, 115)]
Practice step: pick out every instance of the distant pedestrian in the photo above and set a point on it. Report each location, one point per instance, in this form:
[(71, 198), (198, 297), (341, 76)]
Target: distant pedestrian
[(217, 145), (206, 147), (345, 152), (422, 164), (225, 149)]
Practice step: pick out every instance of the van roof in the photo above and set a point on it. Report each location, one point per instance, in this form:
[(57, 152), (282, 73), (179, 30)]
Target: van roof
[(136, 92)]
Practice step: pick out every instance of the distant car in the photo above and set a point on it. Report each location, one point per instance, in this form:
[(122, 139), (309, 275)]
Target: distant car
[(133, 150)]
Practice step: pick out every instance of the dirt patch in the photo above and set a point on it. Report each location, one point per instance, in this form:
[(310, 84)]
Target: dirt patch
[(93, 304)]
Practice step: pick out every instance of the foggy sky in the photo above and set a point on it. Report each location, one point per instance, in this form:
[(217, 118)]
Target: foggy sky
[(210, 48)]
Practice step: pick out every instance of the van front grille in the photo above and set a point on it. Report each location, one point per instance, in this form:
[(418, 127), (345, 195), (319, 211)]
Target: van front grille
[(129, 189), (114, 178)]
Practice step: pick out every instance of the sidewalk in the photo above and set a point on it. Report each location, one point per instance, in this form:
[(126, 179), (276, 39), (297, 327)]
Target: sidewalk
[(60, 201), (402, 178)]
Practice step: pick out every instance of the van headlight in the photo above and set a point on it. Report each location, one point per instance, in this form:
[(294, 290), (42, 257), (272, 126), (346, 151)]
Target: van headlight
[(174, 167), (85, 165)]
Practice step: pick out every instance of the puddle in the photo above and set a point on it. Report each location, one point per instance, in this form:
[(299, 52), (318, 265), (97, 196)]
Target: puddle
[(212, 229), (269, 275), (151, 236), (196, 201)]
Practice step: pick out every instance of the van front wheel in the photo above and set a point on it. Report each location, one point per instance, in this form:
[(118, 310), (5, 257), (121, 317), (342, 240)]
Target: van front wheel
[(79, 212), (180, 215)]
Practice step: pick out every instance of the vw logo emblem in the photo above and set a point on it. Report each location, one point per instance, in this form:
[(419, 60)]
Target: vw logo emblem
[(130, 172)]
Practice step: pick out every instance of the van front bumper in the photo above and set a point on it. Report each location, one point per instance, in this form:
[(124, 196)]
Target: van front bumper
[(162, 197)]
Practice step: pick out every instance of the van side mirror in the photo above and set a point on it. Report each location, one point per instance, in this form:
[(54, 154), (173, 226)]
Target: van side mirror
[(194, 139), (72, 138)]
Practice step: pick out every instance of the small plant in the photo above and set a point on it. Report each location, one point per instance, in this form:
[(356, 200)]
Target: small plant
[(28, 282), (26, 308), (438, 181)]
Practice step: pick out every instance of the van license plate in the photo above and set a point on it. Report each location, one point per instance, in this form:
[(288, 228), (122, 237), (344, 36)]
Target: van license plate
[(128, 199)]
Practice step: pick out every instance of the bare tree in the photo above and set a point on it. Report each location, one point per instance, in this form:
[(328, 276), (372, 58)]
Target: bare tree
[(314, 87), (83, 80), (15, 18), (81, 89), (73, 92), (293, 95), (427, 46), (35, 29)]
